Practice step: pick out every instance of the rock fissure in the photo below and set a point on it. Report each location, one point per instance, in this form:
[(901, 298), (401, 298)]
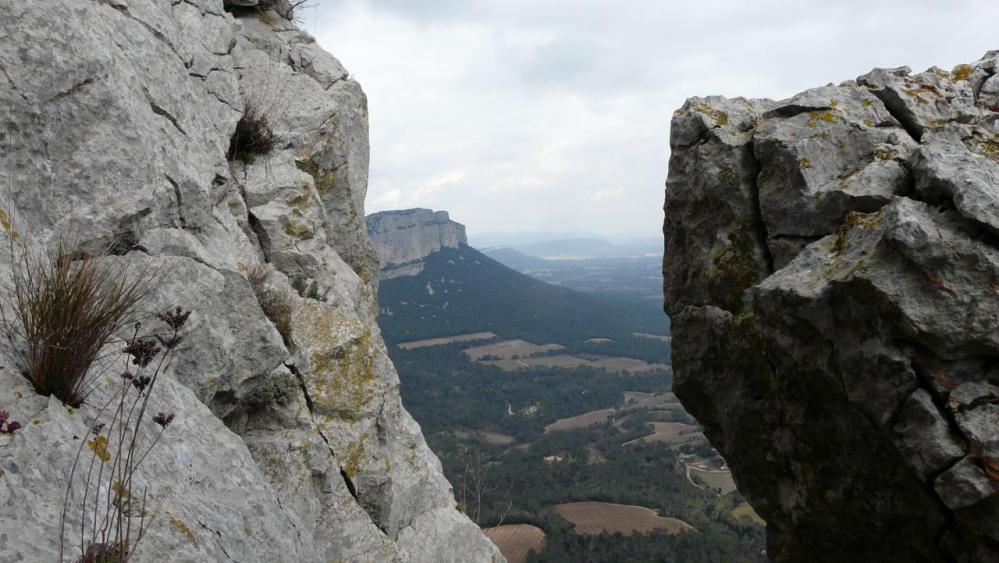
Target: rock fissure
[(218, 539), (73, 89), (158, 110), (157, 34)]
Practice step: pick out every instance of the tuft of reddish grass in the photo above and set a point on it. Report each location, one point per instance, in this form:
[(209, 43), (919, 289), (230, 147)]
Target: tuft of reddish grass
[(253, 136), (64, 312)]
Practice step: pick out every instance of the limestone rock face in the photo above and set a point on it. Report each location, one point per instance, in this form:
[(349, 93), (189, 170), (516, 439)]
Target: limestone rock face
[(832, 274), (288, 445), (404, 238)]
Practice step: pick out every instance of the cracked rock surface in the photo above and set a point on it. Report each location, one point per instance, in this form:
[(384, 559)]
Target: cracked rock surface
[(832, 275), (115, 121)]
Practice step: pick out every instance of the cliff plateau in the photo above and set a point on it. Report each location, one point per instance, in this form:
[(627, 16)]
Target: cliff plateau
[(832, 275), (115, 122), (402, 239)]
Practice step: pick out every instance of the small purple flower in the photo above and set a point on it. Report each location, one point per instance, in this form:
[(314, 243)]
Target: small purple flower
[(175, 319), (8, 427), (142, 351), (163, 419), (141, 382)]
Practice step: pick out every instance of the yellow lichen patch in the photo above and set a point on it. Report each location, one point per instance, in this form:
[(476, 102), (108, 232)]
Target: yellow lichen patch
[(184, 530), (354, 456), (805, 162), (867, 103), (302, 202), (324, 182), (298, 230), (882, 153), (343, 377), (815, 117), (367, 274), (735, 263), (986, 147), (99, 446), (719, 117), (341, 355), (918, 95), (855, 220), (5, 223), (962, 72), (868, 122), (307, 166)]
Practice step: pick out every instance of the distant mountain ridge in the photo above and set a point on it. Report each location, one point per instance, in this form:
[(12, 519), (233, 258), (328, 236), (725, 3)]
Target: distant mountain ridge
[(405, 237), (587, 248)]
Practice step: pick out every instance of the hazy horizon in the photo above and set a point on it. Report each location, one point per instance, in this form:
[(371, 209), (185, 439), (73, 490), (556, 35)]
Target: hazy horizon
[(533, 116)]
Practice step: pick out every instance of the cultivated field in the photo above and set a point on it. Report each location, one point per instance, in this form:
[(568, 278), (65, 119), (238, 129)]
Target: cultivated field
[(662, 337), (447, 340), (584, 420), (665, 432), (639, 400), (629, 365), (746, 512), (597, 517), (714, 479), (507, 349), (516, 540), (494, 438)]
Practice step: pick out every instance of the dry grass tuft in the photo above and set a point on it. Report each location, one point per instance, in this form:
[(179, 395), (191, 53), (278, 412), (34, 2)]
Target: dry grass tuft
[(253, 136), (64, 312)]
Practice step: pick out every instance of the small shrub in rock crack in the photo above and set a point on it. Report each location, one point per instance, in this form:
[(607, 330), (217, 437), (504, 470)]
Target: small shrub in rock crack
[(287, 9), (253, 136)]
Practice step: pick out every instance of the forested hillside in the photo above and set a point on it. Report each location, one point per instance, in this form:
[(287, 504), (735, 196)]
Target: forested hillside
[(463, 291)]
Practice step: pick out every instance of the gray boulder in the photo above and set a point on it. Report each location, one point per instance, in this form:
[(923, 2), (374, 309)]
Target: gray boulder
[(845, 371)]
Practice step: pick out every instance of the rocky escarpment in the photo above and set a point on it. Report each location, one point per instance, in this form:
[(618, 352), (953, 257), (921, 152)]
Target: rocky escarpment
[(832, 274), (115, 122), (404, 238)]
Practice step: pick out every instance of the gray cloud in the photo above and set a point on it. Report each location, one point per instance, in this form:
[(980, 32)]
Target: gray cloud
[(554, 114)]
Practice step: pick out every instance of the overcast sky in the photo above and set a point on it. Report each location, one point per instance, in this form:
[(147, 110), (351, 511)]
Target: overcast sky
[(553, 115)]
